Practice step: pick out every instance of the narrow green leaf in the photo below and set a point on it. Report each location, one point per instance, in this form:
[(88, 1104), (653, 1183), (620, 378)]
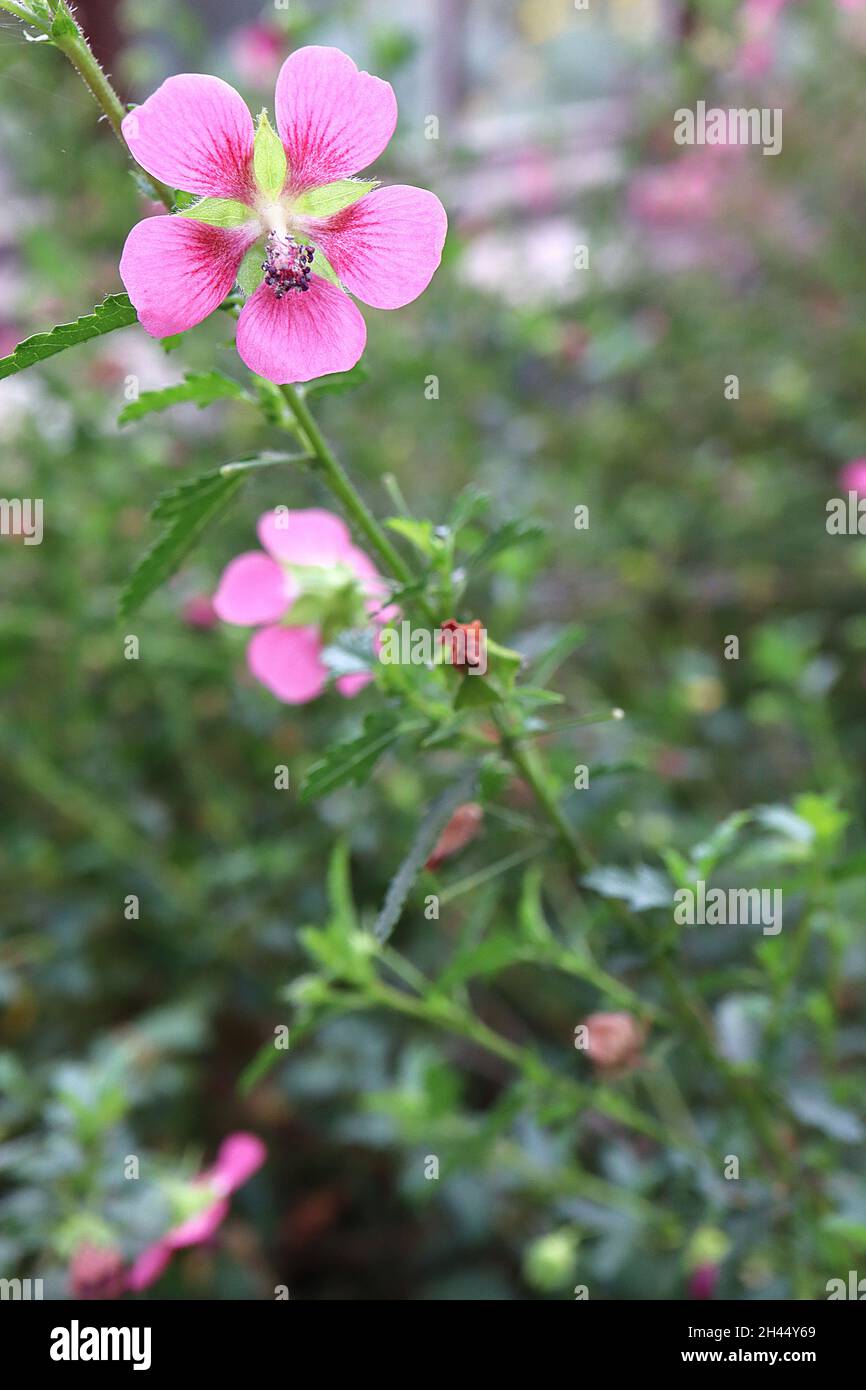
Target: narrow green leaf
[(219, 212), (560, 649), (115, 311), (507, 537), (418, 533), (203, 388), (354, 760), (269, 159), (332, 197), (185, 511), (338, 381), (431, 827)]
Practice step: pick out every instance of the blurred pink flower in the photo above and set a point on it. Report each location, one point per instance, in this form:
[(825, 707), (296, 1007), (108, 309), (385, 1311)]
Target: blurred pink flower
[(615, 1040), (703, 1281), (853, 477), (682, 192), (258, 590), (255, 51), (198, 611), (96, 1271), (239, 1157), (196, 133)]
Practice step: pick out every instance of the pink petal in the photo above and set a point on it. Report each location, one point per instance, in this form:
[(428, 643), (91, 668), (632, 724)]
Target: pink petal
[(286, 661), (196, 133), (333, 119), (177, 271), (304, 335), (309, 536), (385, 247), (349, 686), (200, 1227), (149, 1266), (253, 589), (239, 1156), (375, 588)]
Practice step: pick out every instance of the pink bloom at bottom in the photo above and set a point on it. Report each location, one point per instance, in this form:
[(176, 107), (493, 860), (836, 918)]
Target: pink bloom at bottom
[(853, 477), (239, 1157), (258, 589)]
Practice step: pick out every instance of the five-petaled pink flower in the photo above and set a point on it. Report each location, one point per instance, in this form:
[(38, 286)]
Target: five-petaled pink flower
[(239, 1156), (308, 551), (323, 232)]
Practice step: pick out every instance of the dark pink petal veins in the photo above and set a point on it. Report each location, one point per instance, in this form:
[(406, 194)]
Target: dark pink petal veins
[(333, 120), (302, 335), (177, 271), (196, 133), (387, 246)]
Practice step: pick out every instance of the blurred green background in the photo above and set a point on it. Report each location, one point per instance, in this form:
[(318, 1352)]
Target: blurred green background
[(557, 386)]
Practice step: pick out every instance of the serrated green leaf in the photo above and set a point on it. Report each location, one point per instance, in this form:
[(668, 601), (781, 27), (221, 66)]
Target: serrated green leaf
[(332, 197), (354, 760), (186, 511), (417, 533), (219, 212), (270, 165), (116, 311), (202, 388), (428, 832), (486, 958), (513, 533)]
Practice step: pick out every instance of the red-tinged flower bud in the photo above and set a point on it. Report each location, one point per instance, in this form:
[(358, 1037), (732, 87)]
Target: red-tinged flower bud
[(96, 1272), (615, 1040), (466, 644), (463, 826)]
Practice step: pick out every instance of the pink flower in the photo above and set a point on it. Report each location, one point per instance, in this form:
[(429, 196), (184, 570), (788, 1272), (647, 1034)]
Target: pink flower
[(322, 231), (853, 477), (309, 552), (255, 52), (239, 1156)]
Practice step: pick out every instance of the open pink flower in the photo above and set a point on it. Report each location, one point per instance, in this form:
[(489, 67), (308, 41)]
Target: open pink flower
[(308, 552), (239, 1156), (323, 232)]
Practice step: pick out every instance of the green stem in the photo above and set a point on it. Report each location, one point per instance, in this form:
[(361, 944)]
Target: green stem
[(67, 35), (346, 494)]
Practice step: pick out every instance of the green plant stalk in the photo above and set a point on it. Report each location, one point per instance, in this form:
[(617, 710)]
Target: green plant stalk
[(68, 36), (347, 495)]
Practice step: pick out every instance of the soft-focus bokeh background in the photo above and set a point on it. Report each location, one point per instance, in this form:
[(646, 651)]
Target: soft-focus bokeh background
[(558, 386)]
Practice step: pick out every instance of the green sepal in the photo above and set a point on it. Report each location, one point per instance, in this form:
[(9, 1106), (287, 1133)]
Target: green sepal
[(332, 197), (270, 165), (219, 212), (250, 272)]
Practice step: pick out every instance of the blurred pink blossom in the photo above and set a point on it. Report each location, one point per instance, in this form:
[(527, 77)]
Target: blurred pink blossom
[(255, 51), (258, 589), (239, 1157), (853, 477), (198, 611)]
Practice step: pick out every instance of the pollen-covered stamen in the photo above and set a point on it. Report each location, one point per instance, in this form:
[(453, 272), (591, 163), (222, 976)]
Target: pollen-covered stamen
[(288, 265)]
